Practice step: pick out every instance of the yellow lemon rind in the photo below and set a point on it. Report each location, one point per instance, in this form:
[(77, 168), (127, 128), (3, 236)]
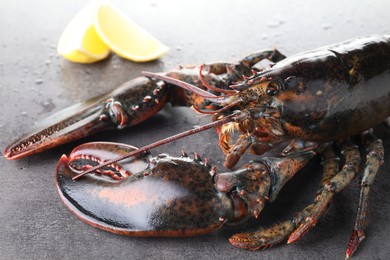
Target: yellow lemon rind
[(160, 50), (79, 41)]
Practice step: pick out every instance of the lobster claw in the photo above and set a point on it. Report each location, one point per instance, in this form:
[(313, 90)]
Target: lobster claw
[(150, 196), (123, 107)]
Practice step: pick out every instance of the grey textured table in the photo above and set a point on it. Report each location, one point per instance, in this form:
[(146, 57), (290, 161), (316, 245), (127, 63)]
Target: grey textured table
[(35, 82)]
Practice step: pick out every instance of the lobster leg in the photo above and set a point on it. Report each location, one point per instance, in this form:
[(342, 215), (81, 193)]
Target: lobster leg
[(238, 150), (280, 232), (245, 65), (332, 181), (244, 68), (281, 170), (271, 55), (335, 185), (375, 153), (219, 75)]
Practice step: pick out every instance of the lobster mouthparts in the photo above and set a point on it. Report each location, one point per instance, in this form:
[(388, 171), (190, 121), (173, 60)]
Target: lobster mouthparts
[(142, 195)]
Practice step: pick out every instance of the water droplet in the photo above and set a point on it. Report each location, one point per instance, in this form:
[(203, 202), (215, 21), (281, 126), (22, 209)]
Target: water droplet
[(24, 113), (273, 24), (39, 81), (326, 26), (48, 105), (276, 22), (18, 61)]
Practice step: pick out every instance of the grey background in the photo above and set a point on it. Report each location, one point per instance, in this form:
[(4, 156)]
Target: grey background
[(36, 82)]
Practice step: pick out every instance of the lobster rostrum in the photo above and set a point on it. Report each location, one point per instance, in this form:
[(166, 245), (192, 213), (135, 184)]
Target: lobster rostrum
[(311, 103)]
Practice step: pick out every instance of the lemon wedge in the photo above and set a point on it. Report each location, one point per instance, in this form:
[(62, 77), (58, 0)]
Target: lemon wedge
[(124, 37), (79, 42)]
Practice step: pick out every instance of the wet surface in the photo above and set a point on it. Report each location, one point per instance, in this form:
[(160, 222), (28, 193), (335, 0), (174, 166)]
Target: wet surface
[(36, 82)]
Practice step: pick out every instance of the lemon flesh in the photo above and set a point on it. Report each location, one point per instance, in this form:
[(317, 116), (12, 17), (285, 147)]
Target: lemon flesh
[(124, 37), (79, 42)]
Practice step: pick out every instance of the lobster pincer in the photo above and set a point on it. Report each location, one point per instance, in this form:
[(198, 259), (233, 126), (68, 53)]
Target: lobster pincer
[(164, 195), (114, 110)]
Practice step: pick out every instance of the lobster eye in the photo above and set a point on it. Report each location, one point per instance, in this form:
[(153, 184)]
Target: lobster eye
[(273, 88)]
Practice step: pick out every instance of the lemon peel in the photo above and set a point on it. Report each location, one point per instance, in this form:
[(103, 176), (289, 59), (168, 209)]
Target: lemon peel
[(124, 37), (79, 42), (100, 28)]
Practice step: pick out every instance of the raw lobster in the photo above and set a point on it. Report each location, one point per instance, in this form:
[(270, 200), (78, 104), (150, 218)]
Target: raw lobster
[(311, 103)]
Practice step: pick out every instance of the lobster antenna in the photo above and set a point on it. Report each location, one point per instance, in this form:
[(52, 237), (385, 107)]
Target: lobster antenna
[(158, 143), (198, 91), (213, 112)]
